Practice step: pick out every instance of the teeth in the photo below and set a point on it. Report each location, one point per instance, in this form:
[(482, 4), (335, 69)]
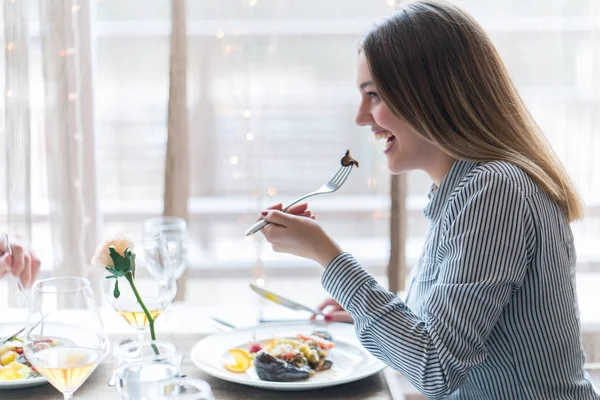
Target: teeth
[(382, 135), (388, 144)]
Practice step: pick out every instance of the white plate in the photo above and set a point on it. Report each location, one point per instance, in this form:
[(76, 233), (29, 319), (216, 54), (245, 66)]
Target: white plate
[(351, 361), (23, 383), (5, 330)]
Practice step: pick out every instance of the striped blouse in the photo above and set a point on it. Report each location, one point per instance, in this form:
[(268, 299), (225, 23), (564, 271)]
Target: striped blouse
[(491, 312)]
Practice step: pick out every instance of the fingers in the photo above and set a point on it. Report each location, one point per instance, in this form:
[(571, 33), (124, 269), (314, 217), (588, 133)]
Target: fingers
[(3, 245), (275, 207), (35, 269), (5, 262), (326, 303), (20, 259), (339, 316), (279, 218), (298, 208)]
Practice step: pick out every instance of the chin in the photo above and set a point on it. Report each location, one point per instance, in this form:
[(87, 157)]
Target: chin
[(397, 168), (400, 164)]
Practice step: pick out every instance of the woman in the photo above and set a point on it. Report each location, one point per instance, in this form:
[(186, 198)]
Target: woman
[(491, 312)]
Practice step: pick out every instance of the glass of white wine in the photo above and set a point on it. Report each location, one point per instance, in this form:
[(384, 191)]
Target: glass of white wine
[(155, 291), (65, 339)]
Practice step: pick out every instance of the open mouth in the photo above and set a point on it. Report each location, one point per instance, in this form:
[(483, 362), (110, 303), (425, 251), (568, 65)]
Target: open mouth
[(387, 136)]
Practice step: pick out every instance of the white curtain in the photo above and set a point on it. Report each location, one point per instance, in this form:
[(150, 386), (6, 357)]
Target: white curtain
[(69, 127), (16, 143)]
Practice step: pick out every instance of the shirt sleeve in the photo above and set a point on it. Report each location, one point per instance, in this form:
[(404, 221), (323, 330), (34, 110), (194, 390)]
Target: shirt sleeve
[(482, 259)]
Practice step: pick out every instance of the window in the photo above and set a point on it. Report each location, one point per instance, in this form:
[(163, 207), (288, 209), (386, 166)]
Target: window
[(272, 97)]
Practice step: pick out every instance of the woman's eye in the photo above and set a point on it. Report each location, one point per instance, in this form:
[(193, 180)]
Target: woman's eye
[(372, 95)]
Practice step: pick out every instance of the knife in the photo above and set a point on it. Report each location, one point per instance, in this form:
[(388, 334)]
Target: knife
[(282, 300)]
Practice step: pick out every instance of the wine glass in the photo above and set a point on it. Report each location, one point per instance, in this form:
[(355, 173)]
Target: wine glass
[(174, 232), (64, 339), (147, 293), (183, 389)]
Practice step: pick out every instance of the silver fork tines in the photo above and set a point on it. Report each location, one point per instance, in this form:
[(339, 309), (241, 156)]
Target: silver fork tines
[(331, 186)]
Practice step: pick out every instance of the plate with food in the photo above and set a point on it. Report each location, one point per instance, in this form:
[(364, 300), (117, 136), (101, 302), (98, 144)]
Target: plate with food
[(15, 371), (283, 356)]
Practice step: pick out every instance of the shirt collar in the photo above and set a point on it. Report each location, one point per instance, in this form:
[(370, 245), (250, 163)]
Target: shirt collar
[(438, 195)]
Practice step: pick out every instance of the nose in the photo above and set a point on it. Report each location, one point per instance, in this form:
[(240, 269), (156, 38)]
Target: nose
[(363, 115)]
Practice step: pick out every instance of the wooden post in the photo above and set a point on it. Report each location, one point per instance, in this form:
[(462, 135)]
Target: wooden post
[(177, 176), (398, 224)]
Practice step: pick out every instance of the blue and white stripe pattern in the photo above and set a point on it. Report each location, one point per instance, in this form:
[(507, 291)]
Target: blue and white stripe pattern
[(491, 312)]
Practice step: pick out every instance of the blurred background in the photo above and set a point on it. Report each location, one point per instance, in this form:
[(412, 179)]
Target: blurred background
[(271, 98)]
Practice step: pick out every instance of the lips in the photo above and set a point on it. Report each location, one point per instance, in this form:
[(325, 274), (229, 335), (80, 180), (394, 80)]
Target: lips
[(388, 136)]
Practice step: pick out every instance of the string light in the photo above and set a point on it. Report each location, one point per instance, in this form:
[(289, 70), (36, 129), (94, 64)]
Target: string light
[(70, 51), (10, 46), (76, 8), (249, 136), (252, 3), (72, 96), (9, 93), (272, 192), (234, 160), (228, 49), (247, 114), (260, 281), (220, 34)]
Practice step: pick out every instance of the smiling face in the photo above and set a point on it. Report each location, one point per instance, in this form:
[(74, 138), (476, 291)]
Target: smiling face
[(403, 149)]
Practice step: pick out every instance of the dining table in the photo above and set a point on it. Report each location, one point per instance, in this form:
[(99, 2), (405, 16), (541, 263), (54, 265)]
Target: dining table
[(185, 336)]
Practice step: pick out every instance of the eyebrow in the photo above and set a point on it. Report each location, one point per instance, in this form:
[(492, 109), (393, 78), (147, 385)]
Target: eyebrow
[(365, 84)]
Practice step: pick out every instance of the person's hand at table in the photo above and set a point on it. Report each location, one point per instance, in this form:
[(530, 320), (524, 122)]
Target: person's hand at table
[(23, 263), (333, 312)]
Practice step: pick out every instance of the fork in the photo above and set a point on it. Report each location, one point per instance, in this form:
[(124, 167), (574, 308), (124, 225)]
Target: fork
[(331, 186)]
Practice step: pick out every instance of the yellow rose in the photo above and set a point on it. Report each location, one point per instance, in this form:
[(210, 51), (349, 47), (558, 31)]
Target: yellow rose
[(102, 257)]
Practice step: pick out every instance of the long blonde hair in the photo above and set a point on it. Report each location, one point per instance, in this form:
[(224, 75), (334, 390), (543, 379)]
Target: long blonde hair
[(438, 71)]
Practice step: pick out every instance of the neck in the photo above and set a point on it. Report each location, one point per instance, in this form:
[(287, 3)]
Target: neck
[(438, 167)]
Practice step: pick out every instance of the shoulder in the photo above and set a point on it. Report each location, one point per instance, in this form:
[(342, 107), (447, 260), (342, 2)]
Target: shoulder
[(500, 177), (496, 184)]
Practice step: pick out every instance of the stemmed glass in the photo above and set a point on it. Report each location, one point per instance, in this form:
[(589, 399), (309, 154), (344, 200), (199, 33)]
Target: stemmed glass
[(156, 292), (65, 339), (174, 232)]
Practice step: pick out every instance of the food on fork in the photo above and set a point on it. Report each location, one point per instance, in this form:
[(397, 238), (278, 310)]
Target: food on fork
[(348, 160)]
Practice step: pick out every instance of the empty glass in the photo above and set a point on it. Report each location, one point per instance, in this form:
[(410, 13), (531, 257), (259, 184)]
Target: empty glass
[(136, 351), (183, 389), (137, 380), (174, 232)]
